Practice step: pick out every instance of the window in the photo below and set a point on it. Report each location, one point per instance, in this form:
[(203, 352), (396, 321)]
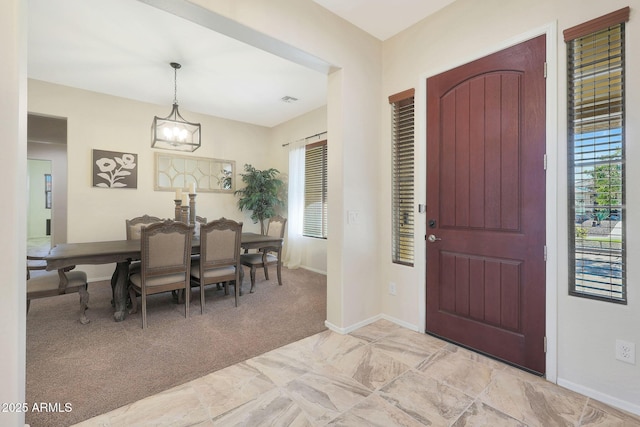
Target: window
[(402, 110), (596, 153), (315, 190)]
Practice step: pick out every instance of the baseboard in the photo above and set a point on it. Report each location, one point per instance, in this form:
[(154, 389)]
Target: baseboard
[(601, 397), (369, 321), (353, 327), (324, 273), (402, 323), (334, 328), (98, 279)]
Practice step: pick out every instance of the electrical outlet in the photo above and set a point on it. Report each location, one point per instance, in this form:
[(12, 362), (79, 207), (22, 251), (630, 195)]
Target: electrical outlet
[(626, 351), (392, 288)]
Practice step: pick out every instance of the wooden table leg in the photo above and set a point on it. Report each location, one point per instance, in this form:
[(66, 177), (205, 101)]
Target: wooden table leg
[(120, 290), (280, 266), (239, 285), (84, 302)]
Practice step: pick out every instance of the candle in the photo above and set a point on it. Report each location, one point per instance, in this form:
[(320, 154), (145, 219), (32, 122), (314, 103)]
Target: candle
[(192, 188), (178, 194), (185, 200)]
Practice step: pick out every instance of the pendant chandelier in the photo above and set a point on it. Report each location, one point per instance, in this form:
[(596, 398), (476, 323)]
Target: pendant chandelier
[(174, 132)]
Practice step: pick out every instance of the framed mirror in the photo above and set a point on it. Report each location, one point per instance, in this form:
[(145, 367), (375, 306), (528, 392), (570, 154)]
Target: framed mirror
[(173, 171)]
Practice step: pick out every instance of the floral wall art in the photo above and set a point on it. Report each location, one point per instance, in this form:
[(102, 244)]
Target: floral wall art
[(112, 169)]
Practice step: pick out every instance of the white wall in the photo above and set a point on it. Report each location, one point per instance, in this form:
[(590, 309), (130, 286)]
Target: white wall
[(38, 214), (97, 121), (314, 256), (584, 331), (57, 153), (13, 226)]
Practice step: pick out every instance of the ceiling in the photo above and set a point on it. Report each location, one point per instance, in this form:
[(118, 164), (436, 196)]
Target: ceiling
[(383, 18), (124, 47)]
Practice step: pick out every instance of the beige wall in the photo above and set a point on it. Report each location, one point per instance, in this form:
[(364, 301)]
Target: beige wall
[(581, 332), (13, 225)]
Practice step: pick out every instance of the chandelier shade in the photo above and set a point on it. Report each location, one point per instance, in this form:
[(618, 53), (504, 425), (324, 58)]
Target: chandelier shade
[(174, 132)]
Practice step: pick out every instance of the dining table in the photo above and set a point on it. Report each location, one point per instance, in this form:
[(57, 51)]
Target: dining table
[(123, 252)]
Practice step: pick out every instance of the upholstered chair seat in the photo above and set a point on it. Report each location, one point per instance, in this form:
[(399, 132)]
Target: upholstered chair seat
[(136, 279), (211, 273)]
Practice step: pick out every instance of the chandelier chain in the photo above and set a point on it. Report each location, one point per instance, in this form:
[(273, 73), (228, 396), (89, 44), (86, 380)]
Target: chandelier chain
[(175, 85)]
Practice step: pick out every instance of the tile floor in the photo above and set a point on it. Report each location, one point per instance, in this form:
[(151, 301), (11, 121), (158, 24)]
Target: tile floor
[(38, 246), (380, 375)]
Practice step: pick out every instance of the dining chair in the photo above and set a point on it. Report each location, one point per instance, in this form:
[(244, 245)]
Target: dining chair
[(219, 260), (268, 255), (165, 264), (135, 225), (133, 229), (51, 283), (199, 222)]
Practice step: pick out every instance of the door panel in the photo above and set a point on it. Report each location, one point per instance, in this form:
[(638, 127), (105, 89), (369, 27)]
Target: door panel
[(486, 193)]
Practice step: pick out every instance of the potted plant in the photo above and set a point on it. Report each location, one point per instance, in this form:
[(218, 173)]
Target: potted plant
[(260, 194)]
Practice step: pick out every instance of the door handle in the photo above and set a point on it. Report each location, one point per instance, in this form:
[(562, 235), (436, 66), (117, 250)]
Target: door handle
[(432, 238)]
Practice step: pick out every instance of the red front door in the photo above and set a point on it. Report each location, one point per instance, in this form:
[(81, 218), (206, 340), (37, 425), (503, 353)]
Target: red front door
[(486, 205)]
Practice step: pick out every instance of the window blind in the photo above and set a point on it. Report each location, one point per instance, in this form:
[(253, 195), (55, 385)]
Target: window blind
[(315, 190), (403, 125), (595, 66)]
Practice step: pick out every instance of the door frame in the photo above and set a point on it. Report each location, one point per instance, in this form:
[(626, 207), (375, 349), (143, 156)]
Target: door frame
[(554, 154)]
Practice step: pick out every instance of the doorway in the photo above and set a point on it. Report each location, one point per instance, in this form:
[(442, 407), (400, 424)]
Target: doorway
[(47, 146), (39, 188), (486, 205)]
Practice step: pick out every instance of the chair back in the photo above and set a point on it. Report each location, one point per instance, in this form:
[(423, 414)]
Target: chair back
[(220, 244), (135, 225), (199, 222), (276, 226), (166, 249)]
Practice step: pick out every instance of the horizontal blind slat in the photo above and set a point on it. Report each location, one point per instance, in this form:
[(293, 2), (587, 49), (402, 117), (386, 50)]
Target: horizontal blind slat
[(403, 160), (595, 119), (315, 205)]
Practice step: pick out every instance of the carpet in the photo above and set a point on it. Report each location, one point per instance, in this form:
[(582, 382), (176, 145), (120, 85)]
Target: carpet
[(75, 372)]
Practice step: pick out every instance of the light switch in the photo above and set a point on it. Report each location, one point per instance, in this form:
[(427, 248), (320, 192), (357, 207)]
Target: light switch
[(353, 217)]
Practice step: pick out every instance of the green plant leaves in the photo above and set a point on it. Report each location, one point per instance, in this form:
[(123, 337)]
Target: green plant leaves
[(260, 194)]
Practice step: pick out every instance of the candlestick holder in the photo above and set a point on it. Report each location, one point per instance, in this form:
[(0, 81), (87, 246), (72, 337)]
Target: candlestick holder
[(178, 214), (192, 208), (184, 214)]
